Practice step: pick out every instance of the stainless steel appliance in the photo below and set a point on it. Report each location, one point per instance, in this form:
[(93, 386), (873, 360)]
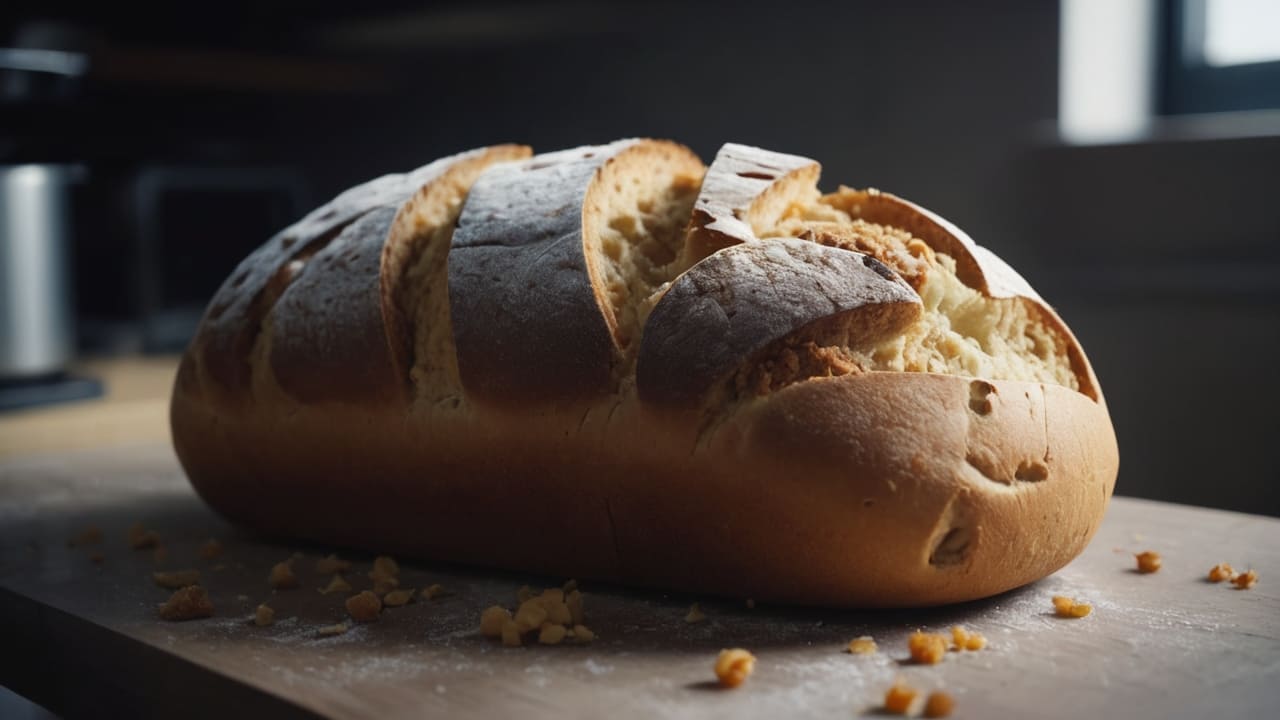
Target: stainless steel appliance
[(37, 317), (37, 331)]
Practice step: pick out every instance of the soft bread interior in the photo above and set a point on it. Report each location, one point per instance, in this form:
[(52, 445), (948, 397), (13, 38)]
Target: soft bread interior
[(960, 332), (416, 278), (433, 368), (635, 224)]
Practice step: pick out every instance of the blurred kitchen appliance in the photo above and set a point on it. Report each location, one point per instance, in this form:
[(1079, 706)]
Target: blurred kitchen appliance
[(37, 322), (37, 331)]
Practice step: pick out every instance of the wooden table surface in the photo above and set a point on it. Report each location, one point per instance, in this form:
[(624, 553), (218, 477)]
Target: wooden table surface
[(79, 636)]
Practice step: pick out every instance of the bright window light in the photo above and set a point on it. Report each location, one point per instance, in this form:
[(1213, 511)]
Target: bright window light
[(1241, 32), (1106, 66)]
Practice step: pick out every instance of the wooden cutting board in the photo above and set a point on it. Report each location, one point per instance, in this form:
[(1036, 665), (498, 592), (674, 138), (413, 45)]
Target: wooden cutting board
[(82, 637)]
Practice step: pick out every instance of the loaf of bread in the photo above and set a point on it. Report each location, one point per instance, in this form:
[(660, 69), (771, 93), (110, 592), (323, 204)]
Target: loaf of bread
[(615, 362)]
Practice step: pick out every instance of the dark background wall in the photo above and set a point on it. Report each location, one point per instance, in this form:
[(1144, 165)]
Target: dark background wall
[(1162, 255)]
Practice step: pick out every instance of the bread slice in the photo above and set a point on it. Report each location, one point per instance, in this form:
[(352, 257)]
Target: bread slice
[(415, 282), (729, 308), (746, 190), (551, 259), (309, 301), (233, 320), (327, 322)]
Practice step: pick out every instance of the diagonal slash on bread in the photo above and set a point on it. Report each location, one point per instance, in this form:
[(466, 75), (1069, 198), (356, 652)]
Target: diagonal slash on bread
[(549, 258), (319, 291)]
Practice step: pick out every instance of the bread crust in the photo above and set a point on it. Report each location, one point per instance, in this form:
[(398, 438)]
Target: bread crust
[(414, 234), (733, 304), (745, 187), (531, 323), (866, 489), (328, 322), (233, 323), (836, 491)]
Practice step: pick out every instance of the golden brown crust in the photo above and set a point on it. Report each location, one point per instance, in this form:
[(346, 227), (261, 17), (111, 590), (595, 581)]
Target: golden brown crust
[(782, 502)]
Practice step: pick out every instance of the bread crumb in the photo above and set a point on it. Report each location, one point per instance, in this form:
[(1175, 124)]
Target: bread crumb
[(431, 592), (385, 584), (511, 633), (962, 639), (91, 535), (492, 621), (1220, 572), (335, 629), (551, 634), (337, 583), (210, 549), (695, 614), (733, 666), (364, 607), (332, 564), (1070, 608), (398, 598), (547, 613), (264, 616), (385, 574), (864, 645), (530, 615), (282, 577), (384, 566), (570, 586), (939, 704), (188, 603), (1148, 562), (574, 602), (557, 609), (141, 538), (176, 579), (927, 648), (524, 593), (898, 699), (1245, 580), (581, 634)]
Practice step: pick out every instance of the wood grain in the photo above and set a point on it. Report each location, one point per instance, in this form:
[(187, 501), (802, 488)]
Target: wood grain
[(81, 637), (134, 409)]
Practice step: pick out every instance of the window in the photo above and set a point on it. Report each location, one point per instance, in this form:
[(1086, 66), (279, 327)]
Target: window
[(1221, 55)]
